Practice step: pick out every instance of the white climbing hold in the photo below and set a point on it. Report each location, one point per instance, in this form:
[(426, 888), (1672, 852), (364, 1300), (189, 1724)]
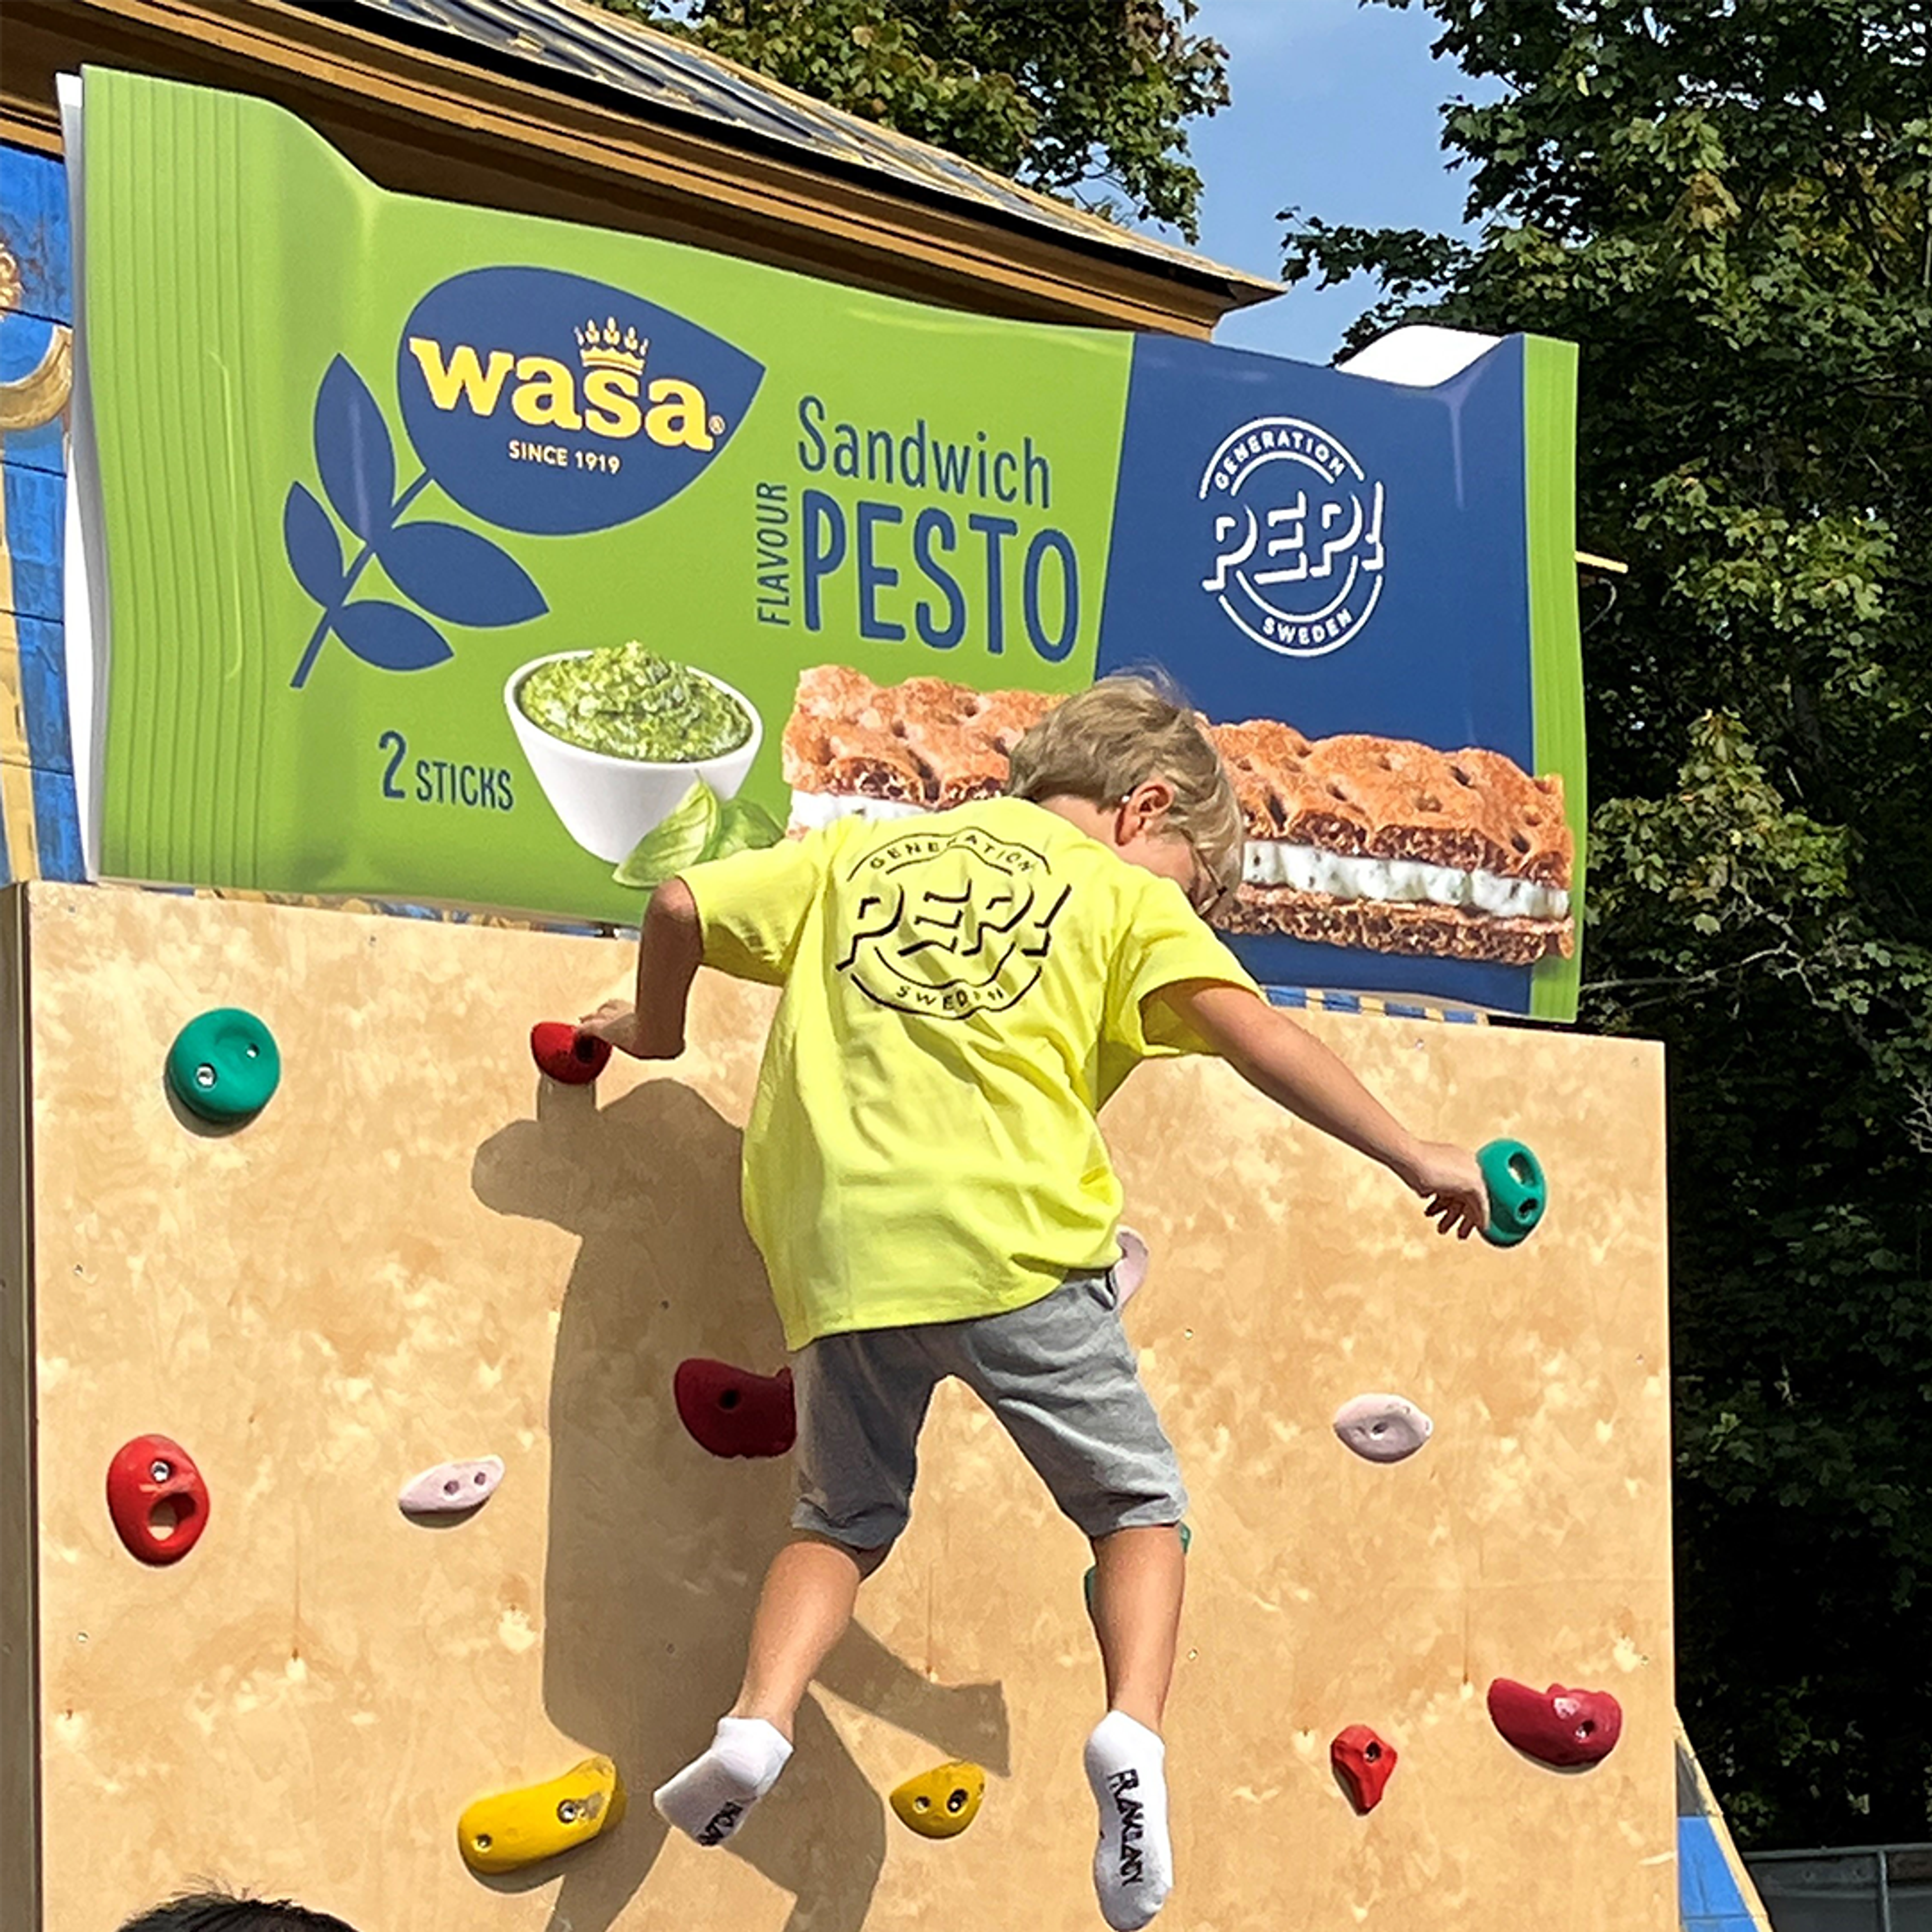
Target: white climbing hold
[(1131, 1270), (1382, 1428), (450, 1488)]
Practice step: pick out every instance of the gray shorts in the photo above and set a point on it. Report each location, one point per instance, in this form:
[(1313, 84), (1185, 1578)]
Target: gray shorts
[(1059, 1374)]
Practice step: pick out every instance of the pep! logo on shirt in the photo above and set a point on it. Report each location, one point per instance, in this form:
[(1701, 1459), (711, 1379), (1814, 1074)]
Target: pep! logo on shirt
[(551, 403), (949, 924)]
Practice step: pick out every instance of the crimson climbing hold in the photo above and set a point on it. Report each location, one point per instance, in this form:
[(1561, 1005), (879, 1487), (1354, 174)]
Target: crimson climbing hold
[(223, 1067), (731, 1411), (1364, 1763), (1518, 1193), (450, 1488), (940, 1803), (1557, 1727), (1131, 1270), (566, 1054), (512, 1829), (1383, 1428), (156, 1498)]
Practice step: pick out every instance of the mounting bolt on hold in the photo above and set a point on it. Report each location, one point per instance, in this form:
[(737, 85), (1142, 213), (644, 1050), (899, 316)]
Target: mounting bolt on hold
[(1364, 1763), (566, 1055), (940, 1803), (157, 1499), (512, 1829), (223, 1067), (1518, 1193)]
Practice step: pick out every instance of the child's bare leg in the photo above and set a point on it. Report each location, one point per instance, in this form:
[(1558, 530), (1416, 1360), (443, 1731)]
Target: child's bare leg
[(807, 1601), (803, 1611), (1139, 1576)]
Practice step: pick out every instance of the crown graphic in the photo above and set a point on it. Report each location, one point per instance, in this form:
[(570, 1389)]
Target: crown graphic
[(606, 348)]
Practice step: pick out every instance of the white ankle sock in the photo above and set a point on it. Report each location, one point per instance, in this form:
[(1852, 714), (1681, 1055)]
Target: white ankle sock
[(708, 1799), (1133, 1863)]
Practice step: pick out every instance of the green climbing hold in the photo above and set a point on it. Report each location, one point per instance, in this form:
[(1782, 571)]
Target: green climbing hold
[(223, 1067), (1086, 1582), (1518, 1193)]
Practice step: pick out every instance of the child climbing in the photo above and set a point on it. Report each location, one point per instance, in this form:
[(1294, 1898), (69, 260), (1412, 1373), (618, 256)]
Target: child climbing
[(925, 1177)]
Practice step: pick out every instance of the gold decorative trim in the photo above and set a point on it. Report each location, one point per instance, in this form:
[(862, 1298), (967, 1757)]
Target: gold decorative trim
[(39, 396)]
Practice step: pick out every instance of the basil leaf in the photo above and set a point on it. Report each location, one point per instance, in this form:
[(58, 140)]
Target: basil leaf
[(681, 838)]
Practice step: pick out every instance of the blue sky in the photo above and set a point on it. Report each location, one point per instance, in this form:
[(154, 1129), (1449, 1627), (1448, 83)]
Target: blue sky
[(1335, 112)]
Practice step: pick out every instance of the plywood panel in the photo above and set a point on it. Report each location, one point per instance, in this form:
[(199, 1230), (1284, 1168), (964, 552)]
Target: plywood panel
[(19, 1697), (415, 1253)]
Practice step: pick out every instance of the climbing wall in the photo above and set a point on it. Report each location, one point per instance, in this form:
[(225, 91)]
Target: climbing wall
[(421, 1251)]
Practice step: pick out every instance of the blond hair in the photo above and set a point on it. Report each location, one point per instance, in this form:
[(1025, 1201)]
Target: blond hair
[(1101, 742)]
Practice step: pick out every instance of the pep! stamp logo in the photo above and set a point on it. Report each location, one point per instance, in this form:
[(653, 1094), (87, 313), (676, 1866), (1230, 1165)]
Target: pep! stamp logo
[(949, 924), (1297, 535), (539, 402)]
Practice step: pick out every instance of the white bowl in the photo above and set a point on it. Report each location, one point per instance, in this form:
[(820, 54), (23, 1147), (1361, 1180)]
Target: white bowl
[(607, 804)]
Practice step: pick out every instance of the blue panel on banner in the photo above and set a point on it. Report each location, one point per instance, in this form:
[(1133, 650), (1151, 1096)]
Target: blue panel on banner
[(57, 825), (43, 694), (34, 503), (1344, 555), (35, 231)]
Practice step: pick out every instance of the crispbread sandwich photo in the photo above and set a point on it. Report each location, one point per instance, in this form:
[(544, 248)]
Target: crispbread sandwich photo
[(1382, 845)]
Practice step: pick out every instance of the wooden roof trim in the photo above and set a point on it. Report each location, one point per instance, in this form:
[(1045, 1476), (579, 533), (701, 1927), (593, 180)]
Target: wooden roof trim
[(423, 125)]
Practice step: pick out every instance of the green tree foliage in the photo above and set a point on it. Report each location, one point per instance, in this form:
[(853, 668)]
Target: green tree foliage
[(1726, 203), (1088, 97)]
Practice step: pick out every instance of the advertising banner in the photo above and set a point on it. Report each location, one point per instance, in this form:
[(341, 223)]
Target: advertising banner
[(454, 555)]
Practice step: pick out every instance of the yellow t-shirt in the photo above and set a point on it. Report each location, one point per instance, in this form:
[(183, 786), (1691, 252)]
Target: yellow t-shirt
[(962, 991)]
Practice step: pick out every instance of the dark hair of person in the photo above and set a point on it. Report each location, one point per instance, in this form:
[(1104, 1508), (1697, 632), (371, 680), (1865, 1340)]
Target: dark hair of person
[(217, 1911)]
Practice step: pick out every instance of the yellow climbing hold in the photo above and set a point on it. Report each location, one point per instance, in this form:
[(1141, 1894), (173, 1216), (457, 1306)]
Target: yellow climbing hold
[(515, 1829), (940, 1803)]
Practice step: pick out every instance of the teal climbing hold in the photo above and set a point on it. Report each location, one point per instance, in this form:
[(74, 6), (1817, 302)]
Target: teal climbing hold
[(1518, 1193), (224, 1065), (1086, 1582)]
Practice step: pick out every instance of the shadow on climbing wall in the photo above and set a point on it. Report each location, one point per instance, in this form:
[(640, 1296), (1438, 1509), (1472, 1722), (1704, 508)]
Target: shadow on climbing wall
[(656, 1548)]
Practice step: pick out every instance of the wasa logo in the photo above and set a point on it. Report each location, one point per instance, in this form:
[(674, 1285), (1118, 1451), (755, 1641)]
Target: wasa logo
[(538, 401), (553, 403)]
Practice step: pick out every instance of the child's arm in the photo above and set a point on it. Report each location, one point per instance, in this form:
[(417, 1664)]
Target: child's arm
[(1293, 1068), (670, 949)]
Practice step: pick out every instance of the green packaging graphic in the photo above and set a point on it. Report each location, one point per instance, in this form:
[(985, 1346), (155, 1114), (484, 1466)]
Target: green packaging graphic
[(386, 464), (457, 557)]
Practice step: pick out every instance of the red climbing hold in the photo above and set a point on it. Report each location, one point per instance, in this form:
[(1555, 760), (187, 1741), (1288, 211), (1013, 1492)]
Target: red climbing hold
[(732, 1412), (1556, 1727), (569, 1057), (156, 1498), (1364, 1763)]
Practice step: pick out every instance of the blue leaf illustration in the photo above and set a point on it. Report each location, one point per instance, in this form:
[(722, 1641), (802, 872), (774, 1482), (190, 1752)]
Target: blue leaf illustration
[(458, 576), (353, 452), (389, 637), (315, 551)]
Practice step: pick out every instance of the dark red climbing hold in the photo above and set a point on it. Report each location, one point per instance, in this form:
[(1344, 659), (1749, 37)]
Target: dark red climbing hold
[(1556, 1727), (156, 1498), (571, 1057), (1364, 1763), (732, 1412)]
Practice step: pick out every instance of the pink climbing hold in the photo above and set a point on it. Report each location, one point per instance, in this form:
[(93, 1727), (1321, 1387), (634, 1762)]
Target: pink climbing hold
[(1131, 1270), (1364, 1763), (732, 1412), (1382, 1428), (451, 1488), (1557, 1727), (566, 1055)]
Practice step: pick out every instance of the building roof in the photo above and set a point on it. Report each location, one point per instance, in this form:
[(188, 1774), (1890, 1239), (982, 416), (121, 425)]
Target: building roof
[(584, 50)]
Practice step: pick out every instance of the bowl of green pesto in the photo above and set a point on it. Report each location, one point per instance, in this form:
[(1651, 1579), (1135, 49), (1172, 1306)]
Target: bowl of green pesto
[(615, 735)]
